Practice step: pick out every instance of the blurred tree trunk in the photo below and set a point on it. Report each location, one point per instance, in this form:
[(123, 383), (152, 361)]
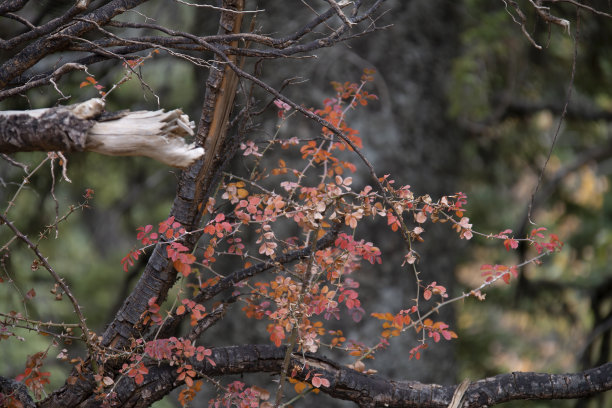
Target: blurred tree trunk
[(414, 60)]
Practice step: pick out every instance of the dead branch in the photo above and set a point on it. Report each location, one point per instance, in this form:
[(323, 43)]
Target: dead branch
[(84, 127)]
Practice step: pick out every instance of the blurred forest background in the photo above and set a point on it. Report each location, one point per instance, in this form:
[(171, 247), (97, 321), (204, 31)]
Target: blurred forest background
[(466, 103)]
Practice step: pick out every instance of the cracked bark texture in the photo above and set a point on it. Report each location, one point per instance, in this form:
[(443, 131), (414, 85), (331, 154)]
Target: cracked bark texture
[(373, 390)]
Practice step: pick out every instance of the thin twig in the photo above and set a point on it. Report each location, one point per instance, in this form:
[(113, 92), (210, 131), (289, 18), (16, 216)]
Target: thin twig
[(60, 282), (563, 113), (223, 9)]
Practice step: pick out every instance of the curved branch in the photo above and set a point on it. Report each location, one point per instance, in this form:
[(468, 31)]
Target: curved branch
[(41, 80), (38, 32), (34, 52), (8, 6), (370, 390)]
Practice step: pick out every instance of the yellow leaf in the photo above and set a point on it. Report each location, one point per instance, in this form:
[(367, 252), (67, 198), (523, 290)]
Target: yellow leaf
[(300, 387)]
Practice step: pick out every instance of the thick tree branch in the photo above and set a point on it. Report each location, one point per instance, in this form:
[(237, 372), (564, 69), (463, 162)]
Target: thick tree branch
[(15, 391), (372, 390), (34, 52), (193, 186), (159, 274), (8, 6), (41, 30), (83, 127)]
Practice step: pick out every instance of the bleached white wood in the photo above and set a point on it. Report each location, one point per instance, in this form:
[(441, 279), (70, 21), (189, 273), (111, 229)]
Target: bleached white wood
[(156, 134)]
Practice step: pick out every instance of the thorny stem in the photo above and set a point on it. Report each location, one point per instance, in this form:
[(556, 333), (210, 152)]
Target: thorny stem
[(57, 221), (331, 142), (39, 323), (75, 304), (297, 397), (329, 126), (439, 306), (270, 143), (294, 332), (285, 368), (47, 332), (470, 293)]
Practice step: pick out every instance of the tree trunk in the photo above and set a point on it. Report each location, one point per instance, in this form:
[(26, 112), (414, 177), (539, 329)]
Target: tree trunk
[(415, 140)]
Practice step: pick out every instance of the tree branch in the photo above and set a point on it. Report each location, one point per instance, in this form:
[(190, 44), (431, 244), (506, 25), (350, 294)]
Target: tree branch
[(8, 6), (82, 127), (238, 276), (371, 390), (34, 52)]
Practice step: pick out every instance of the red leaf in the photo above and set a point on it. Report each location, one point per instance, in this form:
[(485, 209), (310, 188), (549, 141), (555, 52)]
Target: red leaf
[(31, 293), (511, 243), (506, 277)]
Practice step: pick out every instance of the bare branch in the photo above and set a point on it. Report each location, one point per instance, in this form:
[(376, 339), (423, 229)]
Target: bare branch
[(37, 32), (582, 6), (43, 261), (82, 127), (224, 9), (337, 8), (45, 80), (374, 390), (11, 5), (21, 20), (37, 50)]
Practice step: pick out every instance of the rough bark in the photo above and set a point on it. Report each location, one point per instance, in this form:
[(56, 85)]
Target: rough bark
[(37, 50), (364, 390), (426, 154), (374, 390), (159, 275), (14, 392), (52, 129), (194, 183), (83, 127)]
